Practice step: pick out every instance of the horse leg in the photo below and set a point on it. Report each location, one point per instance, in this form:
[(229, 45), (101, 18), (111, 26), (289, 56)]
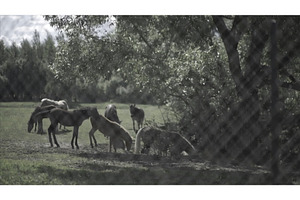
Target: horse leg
[(133, 125), (50, 129), (54, 137), (139, 125), (72, 141), (35, 126), (75, 133), (40, 126), (91, 135), (110, 144)]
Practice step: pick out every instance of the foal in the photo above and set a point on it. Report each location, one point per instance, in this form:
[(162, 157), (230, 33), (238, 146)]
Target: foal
[(108, 128), (66, 118), (112, 114), (138, 115)]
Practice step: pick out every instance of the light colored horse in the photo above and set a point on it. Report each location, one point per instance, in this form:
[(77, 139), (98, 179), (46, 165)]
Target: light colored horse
[(59, 104), (138, 115), (163, 141), (108, 128), (112, 114), (67, 118)]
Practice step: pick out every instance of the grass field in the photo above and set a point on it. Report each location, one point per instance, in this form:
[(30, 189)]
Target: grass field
[(26, 158)]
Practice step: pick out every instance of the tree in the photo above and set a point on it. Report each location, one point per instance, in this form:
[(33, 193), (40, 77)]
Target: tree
[(213, 71)]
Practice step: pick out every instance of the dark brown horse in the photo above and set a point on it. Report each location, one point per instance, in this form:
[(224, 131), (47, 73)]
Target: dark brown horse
[(108, 128), (138, 115), (33, 120), (67, 118), (112, 114)]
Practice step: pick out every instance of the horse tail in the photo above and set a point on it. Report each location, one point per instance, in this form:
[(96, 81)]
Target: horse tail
[(137, 145)]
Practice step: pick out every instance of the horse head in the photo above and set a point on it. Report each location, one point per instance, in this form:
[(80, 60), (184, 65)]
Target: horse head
[(128, 144), (30, 124)]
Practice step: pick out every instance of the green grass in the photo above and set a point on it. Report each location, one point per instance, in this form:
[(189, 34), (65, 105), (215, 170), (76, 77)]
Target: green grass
[(27, 159)]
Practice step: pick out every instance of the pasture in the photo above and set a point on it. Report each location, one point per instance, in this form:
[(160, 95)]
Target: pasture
[(27, 159)]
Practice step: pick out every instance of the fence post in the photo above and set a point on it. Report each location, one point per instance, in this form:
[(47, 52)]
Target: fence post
[(275, 125)]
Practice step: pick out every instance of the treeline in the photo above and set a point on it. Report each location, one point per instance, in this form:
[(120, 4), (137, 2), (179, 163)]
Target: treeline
[(26, 75)]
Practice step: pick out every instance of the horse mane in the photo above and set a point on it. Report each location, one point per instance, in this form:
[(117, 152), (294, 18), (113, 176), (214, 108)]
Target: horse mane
[(95, 113), (123, 133)]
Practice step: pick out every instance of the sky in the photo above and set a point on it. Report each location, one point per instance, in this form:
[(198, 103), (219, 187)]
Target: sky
[(15, 28), (18, 20)]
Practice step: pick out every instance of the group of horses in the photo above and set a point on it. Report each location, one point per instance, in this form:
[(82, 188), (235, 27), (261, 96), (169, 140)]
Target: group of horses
[(109, 125)]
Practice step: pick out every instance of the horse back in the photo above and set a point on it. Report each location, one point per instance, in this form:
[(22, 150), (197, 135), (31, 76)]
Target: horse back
[(68, 118)]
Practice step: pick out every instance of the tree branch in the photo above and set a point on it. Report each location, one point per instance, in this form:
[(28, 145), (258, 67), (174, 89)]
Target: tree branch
[(293, 85)]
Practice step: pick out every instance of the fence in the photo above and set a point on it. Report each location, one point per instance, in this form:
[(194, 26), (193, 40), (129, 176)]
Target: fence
[(259, 129)]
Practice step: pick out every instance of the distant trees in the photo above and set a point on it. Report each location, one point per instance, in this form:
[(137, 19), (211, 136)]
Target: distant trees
[(25, 69), (27, 73)]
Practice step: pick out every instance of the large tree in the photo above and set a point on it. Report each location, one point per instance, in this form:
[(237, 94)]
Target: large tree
[(214, 71)]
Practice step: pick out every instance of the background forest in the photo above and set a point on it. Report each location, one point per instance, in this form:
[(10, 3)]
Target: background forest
[(26, 75)]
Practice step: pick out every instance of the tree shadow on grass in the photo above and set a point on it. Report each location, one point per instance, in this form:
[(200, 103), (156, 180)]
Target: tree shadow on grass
[(145, 169), (94, 174)]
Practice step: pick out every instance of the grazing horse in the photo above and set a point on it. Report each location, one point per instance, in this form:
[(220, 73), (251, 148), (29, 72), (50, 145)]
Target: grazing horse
[(33, 120), (62, 104), (163, 141), (112, 114), (66, 118), (138, 115), (108, 128)]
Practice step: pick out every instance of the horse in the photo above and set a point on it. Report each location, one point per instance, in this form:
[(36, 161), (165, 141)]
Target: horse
[(33, 120), (67, 118), (59, 104), (112, 114), (138, 115), (109, 129), (163, 141)]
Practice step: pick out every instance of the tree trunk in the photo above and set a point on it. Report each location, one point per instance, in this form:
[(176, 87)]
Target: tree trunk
[(239, 127)]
